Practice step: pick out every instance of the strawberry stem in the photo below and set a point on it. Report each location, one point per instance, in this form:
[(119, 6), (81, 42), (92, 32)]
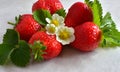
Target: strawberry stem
[(17, 19)]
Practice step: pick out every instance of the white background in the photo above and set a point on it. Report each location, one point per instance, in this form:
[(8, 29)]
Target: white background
[(70, 60)]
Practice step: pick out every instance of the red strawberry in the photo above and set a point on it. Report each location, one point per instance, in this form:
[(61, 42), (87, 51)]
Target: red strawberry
[(27, 26), (78, 13), (53, 47), (87, 36), (51, 5)]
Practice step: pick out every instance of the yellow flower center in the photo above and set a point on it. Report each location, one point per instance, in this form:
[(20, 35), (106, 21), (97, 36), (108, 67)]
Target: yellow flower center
[(64, 34), (52, 30), (55, 22)]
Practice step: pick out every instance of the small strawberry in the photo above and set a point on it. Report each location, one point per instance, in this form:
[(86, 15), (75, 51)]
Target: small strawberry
[(78, 13), (44, 46), (51, 5), (87, 37), (26, 26)]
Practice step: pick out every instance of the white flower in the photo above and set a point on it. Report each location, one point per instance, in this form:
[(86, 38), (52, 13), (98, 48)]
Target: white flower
[(56, 26), (53, 24), (65, 35), (51, 29), (56, 20)]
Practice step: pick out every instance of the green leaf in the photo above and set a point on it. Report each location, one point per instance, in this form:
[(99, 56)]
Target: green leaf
[(89, 3), (111, 36), (61, 12), (5, 51), (11, 37), (86, 1), (14, 49), (107, 21), (41, 15), (97, 12), (21, 55)]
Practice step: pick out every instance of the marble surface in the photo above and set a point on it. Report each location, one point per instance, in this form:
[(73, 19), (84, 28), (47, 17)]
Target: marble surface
[(70, 60)]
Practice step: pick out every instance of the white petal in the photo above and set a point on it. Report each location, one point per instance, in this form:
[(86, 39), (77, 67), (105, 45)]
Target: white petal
[(62, 24), (71, 30), (55, 16), (61, 41), (48, 20), (72, 38), (61, 19)]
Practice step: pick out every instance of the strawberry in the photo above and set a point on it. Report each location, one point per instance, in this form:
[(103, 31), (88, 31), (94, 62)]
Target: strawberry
[(51, 5), (26, 26), (45, 46), (87, 36), (78, 13)]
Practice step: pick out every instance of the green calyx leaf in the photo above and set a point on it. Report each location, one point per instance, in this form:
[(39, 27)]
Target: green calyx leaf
[(13, 49), (38, 50), (61, 12), (41, 15), (111, 36), (17, 19), (21, 55)]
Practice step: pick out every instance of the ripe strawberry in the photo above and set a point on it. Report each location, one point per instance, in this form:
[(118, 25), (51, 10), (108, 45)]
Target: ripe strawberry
[(87, 36), (78, 13), (45, 46), (27, 26), (51, 5)]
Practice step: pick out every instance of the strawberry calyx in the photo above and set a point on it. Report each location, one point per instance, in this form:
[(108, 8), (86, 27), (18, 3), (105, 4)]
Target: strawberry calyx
[(38, 50), (17, 19)]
